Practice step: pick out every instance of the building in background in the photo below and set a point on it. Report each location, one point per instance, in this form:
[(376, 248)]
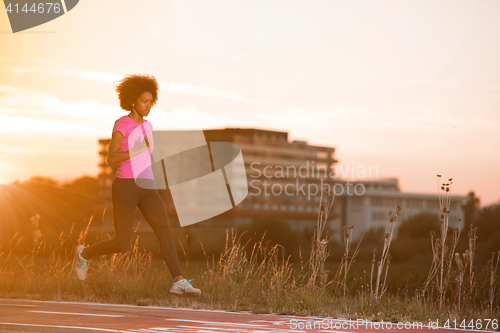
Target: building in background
[(284, 183), (371, 210), (106, 173), (284, 178)]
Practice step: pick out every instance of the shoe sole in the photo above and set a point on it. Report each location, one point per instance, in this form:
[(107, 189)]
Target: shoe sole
[(186, 295)]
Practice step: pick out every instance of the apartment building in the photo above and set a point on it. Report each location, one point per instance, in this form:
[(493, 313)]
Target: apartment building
[(284, 178), (378, 197)]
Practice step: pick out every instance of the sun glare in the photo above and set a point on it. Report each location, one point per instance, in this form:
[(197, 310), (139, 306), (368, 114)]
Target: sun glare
[(2, 181)]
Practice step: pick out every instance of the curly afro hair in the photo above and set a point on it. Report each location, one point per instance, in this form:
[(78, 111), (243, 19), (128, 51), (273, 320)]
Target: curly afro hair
[(132, 86)]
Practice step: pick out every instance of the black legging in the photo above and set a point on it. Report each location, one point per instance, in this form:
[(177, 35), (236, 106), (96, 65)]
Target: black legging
[(126, 197)]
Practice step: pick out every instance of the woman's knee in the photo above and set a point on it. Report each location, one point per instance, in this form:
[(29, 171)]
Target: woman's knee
[(120, 246)]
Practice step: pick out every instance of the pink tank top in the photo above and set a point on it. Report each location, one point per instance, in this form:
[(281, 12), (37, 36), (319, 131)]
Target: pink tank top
[(134, 133)]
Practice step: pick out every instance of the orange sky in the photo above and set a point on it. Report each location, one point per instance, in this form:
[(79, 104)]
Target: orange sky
[(411, 87)]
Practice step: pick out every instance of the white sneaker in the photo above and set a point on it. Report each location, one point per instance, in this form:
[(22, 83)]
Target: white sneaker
[(183, 288), (80, 265)]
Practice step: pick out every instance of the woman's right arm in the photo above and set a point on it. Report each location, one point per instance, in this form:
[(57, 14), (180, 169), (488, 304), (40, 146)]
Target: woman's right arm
[(116, 156)]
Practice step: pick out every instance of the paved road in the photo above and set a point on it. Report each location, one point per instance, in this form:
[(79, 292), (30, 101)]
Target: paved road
[(70, 317)]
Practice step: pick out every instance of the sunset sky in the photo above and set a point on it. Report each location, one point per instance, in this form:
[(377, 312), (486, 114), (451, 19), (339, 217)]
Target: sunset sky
[(411, 87)]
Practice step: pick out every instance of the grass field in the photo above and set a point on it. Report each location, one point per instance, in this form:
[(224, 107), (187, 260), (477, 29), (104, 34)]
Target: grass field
[(262, 282), (259, 277)]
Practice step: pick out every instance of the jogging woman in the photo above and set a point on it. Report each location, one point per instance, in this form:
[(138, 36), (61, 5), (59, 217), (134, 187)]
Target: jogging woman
[(131, 146)]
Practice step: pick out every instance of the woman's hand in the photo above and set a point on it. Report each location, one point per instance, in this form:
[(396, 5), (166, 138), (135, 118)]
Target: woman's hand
[(149, 141), (141, 146), (116, 156)]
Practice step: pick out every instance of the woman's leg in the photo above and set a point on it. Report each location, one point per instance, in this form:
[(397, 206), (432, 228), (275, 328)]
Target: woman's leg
[(153, 210), (124, 195)]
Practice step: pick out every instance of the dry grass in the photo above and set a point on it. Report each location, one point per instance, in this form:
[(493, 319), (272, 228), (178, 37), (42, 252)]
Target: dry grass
[(493, 277), (261, 278), (318, 275), (380, 287), (443, 251)]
